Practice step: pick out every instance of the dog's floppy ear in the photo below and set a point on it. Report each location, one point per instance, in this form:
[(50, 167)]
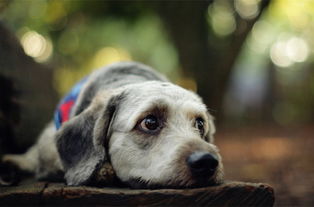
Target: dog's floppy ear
[(81, 141), (209, 137)]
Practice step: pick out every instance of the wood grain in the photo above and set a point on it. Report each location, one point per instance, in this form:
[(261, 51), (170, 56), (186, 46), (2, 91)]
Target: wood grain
[(50, 194)]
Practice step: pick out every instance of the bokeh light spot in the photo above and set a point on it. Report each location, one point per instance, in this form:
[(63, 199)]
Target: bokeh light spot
[(247, 9), (297, 49), (279, 56), (222, 19), (285, 53), (36, 46), (261, 36), (109, 55)]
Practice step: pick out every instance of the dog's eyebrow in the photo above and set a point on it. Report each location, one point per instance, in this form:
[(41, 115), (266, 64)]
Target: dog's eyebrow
[(158, 108), (194, 110), (195, 114)]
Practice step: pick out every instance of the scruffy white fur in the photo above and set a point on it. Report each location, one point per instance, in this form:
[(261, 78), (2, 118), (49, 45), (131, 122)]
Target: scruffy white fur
[(156, 165), (136, 157)]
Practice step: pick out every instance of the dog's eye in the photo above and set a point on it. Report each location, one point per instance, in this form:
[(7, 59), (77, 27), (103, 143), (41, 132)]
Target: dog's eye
[(149, 124), (199, 124)]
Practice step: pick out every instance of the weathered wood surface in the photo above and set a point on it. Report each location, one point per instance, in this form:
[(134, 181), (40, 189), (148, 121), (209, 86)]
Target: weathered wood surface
[(50, 194)]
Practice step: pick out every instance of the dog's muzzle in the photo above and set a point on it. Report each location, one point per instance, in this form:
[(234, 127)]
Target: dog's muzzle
[(202, 165)]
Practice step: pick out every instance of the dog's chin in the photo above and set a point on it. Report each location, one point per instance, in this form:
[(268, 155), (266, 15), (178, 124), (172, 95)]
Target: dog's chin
[(138, 183)]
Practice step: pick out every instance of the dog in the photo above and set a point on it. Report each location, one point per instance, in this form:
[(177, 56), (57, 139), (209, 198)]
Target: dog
[(128, 120)]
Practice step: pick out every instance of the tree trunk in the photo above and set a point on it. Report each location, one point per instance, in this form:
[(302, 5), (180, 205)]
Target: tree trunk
[(210, 66)]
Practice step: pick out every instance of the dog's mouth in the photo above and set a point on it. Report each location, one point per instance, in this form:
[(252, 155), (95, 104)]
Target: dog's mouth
[(196, 176)]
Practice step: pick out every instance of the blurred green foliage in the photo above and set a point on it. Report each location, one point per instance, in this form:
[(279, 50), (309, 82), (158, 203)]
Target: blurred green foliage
[(89, 34), (278, 60), (272, 79)]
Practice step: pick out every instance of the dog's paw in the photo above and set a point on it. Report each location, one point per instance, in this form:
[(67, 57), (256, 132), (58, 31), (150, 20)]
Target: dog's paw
[(105, 176)]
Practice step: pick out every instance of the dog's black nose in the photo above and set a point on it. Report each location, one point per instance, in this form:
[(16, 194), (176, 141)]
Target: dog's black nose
[(202, 163)]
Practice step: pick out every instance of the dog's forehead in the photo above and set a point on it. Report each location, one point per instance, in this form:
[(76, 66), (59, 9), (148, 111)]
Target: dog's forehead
[(149, 95), (155, 89)]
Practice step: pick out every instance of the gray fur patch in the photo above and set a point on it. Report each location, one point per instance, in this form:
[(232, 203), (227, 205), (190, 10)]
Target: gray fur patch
[(114, 76), (81, 142)]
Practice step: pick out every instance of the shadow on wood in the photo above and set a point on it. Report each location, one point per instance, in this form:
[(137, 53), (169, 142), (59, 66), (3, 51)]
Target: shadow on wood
[(229, 194)]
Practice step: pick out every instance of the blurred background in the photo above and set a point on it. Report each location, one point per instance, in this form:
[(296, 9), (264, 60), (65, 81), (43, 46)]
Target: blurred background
[(250, 60)]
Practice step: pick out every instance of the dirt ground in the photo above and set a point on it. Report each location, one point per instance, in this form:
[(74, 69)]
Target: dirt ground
[(281, 157)]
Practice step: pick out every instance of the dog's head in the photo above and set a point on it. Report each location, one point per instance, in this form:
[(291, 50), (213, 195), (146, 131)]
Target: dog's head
[(154, 134)]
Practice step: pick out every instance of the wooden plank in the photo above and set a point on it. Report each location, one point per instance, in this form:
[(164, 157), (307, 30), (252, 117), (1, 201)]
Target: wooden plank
[(228, 194), (24, 194)]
